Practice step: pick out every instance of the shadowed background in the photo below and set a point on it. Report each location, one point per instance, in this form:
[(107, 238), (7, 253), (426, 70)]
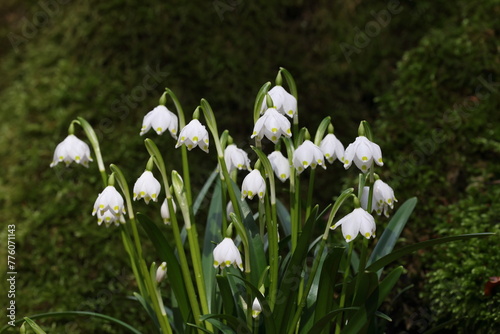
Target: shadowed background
[(425, 74)]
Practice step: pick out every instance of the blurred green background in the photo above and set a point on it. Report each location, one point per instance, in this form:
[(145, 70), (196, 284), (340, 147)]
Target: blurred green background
[(425, 74)]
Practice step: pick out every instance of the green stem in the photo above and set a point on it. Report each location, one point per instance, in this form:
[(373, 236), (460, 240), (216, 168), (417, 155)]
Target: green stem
[(338, 325), (310, 191)]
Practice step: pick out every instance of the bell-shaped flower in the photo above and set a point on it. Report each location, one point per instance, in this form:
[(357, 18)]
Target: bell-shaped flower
[(147, 187), (109, 207), (253, 184), (161, 272), (256, 308), (383, 197), (272, 125), (358, 221), (226, 253), (236, 158), (72, 149), (165, 212), (307, 154), (192, 135), (280, 165), (332, 148), (283, 101), (363, 152), (160, 119)]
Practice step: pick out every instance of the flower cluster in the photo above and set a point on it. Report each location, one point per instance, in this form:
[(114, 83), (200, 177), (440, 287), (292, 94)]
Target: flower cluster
[(109, 207)]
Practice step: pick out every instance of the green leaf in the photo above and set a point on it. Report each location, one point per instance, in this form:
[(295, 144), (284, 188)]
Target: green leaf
[(212, 235), (321, 323), (227, 295), (392, 232), (166, 253), (290, 282), (76, 313), (397, 254), (290, 81), (261, 95), (284, 217), (366, 312), (238, 325), (34, 326)]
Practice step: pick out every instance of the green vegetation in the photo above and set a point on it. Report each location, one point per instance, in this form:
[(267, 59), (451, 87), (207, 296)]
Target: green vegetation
[(417, 78)]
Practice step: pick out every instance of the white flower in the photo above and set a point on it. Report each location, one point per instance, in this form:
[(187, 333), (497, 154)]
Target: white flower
[(363, 152), (229, 210), (272, 125), (236, 158), (358, 221), (307, 155), (283, 101), (192, 135), (165, 212), (72, 149), (226, 253), (256, 308), (253, 184), (161, 272), (332, 148), (147, 187), (160, 119), (383, 198), (280, 165), (109, 207)]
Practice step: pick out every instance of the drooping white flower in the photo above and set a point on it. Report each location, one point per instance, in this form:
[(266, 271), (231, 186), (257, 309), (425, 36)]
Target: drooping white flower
[(358, 221), (363, 152), (332, 148), (280, 165), (161, 272), (226, 253), (160, 119), (72, 149), (192, 135), (307, 154), (147, 187), (109, 207), (256, 308), (283, 101), (236, 158), (383, 196), (253, 184), (272, 125), (165, 212)]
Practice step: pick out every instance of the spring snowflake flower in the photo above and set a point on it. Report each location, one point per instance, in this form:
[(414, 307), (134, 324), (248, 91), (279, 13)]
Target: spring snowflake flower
[(283, 101), (72, 149), (332, 148), (253, 184), (161, 272), (363, 152), (358, 221), (280, 165), (192, 135), (383, 198), (307, 154), (160, 119), (272, 125), (256, 308), (226, 253), (147, 187), (165, 212), (109, 207), (236, 158)]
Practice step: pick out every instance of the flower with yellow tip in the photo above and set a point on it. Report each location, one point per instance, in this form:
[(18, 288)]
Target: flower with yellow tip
[(192, 135), (272, 125), (363, 153), (160, 119), (226, 253), (147, 187), (109, 207), (332, 148), (236, 158), (280, 165), (253, 184), (358, 221), (165, 212), (72, 149), (307, 154), (283, 101)]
